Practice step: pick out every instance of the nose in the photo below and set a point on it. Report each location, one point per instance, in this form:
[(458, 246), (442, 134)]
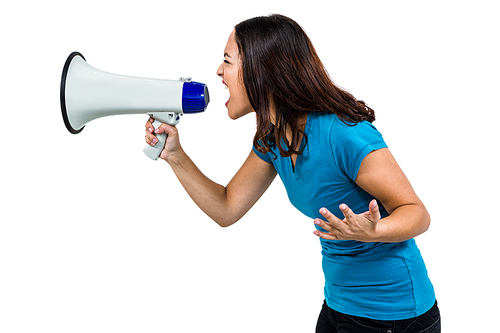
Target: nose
[(220, 71)]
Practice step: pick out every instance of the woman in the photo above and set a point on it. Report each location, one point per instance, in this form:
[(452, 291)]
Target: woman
[(337, 170)]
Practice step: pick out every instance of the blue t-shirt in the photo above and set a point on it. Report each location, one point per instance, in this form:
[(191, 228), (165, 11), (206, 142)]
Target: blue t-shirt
[(383, 281)]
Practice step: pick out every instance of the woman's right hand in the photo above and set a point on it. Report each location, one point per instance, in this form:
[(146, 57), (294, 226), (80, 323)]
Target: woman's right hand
[(172, 146)]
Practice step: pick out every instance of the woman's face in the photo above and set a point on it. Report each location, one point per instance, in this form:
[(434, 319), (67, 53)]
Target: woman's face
[(238, 104)]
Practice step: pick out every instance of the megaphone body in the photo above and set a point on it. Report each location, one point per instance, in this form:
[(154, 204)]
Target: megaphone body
[(88, 93)]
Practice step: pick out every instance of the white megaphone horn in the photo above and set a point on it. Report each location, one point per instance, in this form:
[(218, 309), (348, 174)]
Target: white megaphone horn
[(88, 93)]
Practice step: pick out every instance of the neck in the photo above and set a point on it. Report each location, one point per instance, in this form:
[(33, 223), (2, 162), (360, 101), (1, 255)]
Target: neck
[(301, 122)]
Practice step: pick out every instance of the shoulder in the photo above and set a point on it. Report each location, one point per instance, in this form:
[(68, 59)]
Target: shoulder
[(265, 157), (360, 133), (339, 131), (348, 127), (351, 142)]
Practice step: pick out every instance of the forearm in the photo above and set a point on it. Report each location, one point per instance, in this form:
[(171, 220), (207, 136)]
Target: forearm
[(224, 204), (405, 222), (209, 196), (381, 176)]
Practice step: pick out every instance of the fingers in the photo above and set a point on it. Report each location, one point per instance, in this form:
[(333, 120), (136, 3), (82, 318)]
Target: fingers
[(326, 235), (151, 132), (330, 232), (361, 227), (333, 227), (167, 129), (374, 211), (150, 137), (163, 128), (149, 125), (348, 213)]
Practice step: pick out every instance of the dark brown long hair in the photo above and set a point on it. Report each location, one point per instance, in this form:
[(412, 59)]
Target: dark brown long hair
[(282, 70)]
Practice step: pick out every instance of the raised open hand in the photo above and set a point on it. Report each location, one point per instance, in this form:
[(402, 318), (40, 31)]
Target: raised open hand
[(361, 227)]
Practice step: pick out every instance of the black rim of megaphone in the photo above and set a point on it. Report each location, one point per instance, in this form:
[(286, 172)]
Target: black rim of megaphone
[(63, 92)]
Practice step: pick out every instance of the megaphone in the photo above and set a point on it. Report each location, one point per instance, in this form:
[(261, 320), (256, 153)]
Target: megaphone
[(88, 93)]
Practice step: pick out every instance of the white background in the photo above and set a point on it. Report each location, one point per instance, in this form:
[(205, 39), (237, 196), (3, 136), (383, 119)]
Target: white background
[(95, 237)]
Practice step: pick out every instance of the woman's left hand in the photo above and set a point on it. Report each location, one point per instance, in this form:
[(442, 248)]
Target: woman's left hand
[(360, 227)]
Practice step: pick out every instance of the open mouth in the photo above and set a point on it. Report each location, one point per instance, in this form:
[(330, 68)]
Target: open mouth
[(225, 85)]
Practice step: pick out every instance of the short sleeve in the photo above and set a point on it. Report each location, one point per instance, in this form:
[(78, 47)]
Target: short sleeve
[(352, 143), (264, 157)]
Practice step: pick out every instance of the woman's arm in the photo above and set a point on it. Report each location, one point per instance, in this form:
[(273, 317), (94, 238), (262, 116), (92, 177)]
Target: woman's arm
[(225, 205), (381, 176)]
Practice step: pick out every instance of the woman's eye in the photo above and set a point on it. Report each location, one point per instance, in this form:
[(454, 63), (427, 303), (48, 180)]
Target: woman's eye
[(225, 61)]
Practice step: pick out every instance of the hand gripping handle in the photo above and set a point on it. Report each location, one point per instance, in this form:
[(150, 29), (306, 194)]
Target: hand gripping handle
[(153, 152)]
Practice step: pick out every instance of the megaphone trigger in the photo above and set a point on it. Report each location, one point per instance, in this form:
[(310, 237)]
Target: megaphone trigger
[(170, 118), (153, 152)]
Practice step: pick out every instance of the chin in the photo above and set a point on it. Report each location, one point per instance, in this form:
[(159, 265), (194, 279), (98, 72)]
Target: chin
[(233, 115), (238, 114)]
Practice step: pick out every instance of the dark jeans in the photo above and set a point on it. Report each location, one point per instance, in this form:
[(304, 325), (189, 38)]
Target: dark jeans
[(331, 321)]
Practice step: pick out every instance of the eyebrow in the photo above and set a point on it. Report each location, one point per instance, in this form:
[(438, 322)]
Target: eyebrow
[(226, 55)]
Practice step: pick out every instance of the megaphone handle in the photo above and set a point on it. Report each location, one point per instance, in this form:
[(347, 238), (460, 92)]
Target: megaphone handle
[(154, 152)]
